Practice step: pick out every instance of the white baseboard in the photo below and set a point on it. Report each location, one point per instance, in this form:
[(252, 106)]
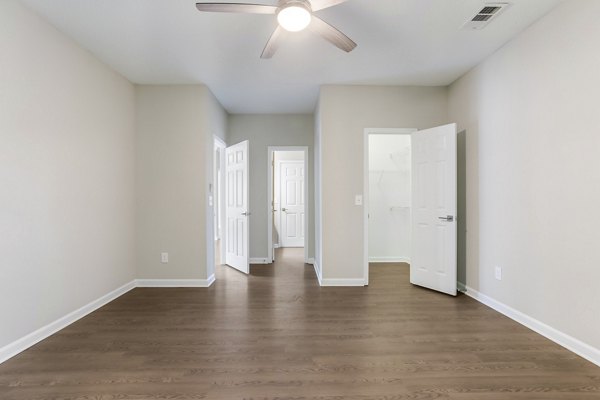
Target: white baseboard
[(260, 261), (342, 282), (335, 282), (211, 279), (276, 245), (311, 261), (19, 345), (317, 268), (578, 347), (389, 260), (175, 282), (461, 287)]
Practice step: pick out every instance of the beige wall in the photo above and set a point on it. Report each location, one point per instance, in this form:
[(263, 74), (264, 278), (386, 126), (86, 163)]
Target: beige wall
[(345, 112), (66, 175), (532, 125), (215, 120), (174, 146), (263, 131)]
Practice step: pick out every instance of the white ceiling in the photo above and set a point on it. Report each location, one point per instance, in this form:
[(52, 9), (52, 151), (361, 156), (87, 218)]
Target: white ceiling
[(400, 42)]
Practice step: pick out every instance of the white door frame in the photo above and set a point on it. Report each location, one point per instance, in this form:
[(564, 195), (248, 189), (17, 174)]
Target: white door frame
[(218, 142), (270, 170), (367, 132)]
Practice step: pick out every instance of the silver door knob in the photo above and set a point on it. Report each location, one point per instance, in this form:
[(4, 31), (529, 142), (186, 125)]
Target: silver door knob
[(246, 214), (449, 218), (284, 209)]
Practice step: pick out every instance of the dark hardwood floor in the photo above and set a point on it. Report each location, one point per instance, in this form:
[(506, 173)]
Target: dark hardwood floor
[(277, 335)]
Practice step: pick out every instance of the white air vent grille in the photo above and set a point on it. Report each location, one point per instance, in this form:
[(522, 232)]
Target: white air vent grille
[(481, 17), (490, 10), (488, 13)]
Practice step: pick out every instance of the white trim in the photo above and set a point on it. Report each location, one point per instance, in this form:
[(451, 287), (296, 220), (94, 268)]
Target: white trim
[(270, 150), (275, 245), (22, 344), (211, 279), (260, 261), (578, 347), (389, 260), (342, 282), (367, 132), (19, 345), (310, 261), (317, 268), (202, 283), (218, 142)]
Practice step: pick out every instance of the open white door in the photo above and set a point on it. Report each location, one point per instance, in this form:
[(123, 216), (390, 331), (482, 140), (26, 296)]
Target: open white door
[(236, 235), (292, 203), (433, 244)]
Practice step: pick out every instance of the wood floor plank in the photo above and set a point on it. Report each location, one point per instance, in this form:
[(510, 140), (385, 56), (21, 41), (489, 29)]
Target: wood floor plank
[(277, 334)]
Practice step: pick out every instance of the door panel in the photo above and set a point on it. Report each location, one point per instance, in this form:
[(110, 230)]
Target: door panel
[(292, 203), (236, 167), (433, 248)]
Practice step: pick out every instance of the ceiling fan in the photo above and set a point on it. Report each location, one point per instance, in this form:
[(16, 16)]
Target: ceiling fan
[(292, 16)]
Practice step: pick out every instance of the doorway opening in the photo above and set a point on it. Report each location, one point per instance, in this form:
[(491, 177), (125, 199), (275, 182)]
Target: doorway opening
[(421, 194), (287, 193), (218, 199), (387, 190)]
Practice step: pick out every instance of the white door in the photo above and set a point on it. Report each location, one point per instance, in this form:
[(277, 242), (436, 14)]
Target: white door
[(292, 203), (236, 228), (433, 245)]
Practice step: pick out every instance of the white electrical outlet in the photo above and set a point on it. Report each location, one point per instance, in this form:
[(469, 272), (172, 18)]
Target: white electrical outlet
[(358, 200), (164, 258), (498, 273)]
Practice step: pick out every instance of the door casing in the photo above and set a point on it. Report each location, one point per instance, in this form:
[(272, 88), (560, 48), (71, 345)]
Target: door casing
[(367, 132), (219, 193)]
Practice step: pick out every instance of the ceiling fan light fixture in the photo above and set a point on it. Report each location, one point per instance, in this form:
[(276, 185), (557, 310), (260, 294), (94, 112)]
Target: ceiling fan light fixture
[(294, 18)]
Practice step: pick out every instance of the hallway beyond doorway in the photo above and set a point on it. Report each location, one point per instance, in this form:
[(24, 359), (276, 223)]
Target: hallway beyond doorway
[(288, 268)]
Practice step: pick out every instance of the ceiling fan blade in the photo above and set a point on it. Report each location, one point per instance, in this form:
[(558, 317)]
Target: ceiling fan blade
[(331, 34), (236, 8), (273, 43), (317, 5)]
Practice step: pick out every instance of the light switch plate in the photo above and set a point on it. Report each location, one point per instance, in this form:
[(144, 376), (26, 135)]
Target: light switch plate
[(358, 200), (164, 258), (498, 273)]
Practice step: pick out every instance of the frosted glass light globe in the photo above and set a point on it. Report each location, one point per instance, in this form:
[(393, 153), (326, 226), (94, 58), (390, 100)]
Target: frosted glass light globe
[(294, 18)]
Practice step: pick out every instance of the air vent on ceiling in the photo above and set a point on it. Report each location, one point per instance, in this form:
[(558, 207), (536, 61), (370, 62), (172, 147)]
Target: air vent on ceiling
[(486, 15)]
